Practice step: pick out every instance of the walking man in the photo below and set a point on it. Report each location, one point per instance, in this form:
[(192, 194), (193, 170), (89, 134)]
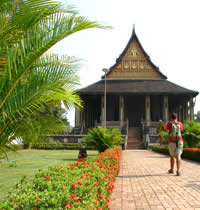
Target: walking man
[(175, 143)]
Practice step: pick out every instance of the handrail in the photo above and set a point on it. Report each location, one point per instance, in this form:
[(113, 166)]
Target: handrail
[(126, 138)]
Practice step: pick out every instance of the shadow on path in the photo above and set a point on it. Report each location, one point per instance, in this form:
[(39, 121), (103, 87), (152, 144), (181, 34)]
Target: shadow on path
[(141, 176), (155, 156)]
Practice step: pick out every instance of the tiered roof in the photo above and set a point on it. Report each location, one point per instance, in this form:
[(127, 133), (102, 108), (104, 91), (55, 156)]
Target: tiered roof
[(135, 73)]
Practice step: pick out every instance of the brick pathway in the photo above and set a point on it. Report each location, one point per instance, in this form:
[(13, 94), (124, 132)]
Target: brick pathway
[(143, 183)]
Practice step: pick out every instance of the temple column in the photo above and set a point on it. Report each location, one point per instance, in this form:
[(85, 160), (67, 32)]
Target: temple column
[(177, 112), (180, 113), (191, 108), (186, 110), (102, 111), (184, 114), (147, 110), (165, 109), (121, 110), (77, 118)]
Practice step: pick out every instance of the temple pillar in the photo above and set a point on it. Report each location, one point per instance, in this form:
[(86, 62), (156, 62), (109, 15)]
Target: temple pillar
[(186, 111), (165, 109), (121, 110), (183, 112), (191, 108), (180, 113), (77, 118), (148, 110)]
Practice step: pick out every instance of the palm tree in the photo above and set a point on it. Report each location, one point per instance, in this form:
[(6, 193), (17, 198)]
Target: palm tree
[(29, 76)]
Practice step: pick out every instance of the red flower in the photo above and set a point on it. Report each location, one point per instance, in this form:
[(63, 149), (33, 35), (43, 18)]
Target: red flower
[(75, 198), (108, 206), (80, 182), (38, 199), (101, 197), (67, 206), (47, 178), (74, 185), (110, 172)]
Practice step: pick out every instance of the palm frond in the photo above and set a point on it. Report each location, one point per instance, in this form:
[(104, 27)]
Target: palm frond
[(30, 77)]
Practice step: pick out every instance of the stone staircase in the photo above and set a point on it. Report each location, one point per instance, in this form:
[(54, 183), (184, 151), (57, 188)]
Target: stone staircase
[(134, 139)]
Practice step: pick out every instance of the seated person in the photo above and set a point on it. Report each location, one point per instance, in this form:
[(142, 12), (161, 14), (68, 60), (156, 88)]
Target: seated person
[(82, 153)]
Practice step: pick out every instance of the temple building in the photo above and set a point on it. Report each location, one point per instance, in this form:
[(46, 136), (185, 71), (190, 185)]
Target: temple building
[(138, 95)]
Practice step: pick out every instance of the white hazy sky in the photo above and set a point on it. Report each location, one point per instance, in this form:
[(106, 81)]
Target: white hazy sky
[(169, 31)]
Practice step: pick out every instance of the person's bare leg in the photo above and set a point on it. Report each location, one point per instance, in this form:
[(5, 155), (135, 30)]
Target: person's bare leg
[(178, 162), (172, 163)]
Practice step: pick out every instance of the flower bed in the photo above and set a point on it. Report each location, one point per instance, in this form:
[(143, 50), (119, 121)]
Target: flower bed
[(191, 153), (85, 184), (188, 153)]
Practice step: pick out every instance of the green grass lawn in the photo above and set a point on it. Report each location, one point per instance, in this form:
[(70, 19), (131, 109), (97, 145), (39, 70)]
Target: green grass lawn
[(28, 162)]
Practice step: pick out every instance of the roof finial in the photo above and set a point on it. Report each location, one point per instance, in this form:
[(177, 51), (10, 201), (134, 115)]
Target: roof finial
[(133, 29)]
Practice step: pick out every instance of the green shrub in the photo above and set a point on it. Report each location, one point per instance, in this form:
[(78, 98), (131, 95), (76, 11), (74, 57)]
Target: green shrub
[(160, 149), (191, 133), (102, 139)]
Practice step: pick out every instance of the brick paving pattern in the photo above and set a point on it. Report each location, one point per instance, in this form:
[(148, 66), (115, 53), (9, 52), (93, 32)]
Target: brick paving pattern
[(143, 183)]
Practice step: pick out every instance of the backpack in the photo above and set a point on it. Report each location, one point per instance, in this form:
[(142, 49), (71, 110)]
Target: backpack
[(175, 133)]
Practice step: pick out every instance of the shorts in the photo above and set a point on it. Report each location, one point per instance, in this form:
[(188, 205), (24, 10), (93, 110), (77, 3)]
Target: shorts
[(173, 150)]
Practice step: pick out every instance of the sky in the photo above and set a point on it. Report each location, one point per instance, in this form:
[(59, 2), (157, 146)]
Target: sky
[(168, 30)]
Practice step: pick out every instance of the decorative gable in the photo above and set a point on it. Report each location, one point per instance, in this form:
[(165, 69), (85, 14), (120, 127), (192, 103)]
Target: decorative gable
[(134, 63)]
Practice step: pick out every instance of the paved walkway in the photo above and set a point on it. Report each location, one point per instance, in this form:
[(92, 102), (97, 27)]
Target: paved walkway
[(144, 184)]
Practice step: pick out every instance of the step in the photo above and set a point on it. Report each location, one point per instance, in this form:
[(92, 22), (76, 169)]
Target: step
[(138, 147)]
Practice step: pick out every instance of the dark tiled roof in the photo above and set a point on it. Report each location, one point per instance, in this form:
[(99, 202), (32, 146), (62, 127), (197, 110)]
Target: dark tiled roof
[(140, 87)]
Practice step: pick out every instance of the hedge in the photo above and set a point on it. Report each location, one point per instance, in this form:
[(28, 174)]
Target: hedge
[(17, 146), (160, 149), (66, 146), (188, 153), (191, 153)]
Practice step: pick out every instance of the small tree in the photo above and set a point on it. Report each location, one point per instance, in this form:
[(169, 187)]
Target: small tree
[(198, 116), (102, 139), (191, 133)]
